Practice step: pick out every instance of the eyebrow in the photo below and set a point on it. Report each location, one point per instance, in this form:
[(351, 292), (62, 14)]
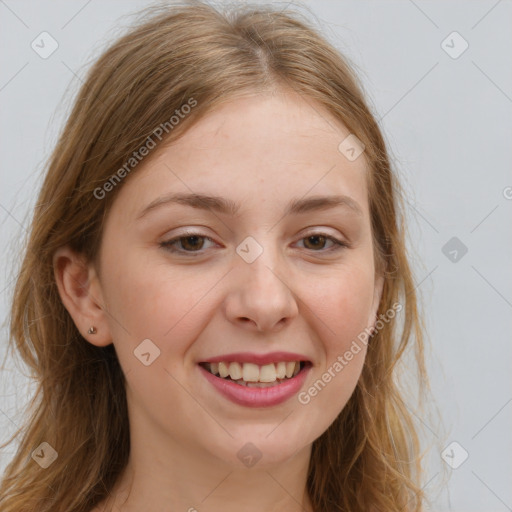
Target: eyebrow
[(229, 207)]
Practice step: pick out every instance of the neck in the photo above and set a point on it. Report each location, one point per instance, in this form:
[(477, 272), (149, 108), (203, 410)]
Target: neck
[(186, 478)]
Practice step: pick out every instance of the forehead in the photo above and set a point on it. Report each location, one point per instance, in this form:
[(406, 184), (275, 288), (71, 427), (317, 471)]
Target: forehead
[(262, 148)]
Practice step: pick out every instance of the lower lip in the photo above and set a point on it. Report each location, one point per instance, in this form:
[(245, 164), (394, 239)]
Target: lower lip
[(257, 397)]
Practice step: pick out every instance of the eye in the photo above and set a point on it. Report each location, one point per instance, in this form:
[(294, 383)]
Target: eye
[(316, 242), (190, 243)]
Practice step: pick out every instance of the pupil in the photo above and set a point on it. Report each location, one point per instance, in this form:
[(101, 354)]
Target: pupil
[(187, 240), (316, 238)]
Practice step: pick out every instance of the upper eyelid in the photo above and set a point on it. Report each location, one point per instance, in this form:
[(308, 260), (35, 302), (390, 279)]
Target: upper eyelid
[(184, 234), (309, 231)]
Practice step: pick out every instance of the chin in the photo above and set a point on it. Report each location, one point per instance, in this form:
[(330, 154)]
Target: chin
[(260, 448)]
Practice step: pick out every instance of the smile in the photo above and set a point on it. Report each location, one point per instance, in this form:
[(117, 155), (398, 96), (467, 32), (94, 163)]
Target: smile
[(256, 385), (253, 375)]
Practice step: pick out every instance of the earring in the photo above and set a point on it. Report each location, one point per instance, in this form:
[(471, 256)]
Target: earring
[(92, 330)]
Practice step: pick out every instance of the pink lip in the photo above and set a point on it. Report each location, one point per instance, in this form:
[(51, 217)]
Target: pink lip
[(260, 359), (257, 397)]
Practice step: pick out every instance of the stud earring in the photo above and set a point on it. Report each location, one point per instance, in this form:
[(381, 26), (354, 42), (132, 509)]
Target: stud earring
[(92, 330)]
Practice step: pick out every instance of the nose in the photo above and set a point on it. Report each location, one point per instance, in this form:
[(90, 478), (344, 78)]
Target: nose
[(261, 297)]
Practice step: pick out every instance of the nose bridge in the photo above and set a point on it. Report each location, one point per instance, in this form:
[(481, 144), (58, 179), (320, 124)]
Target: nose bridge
[(261, 291), (261, 260)]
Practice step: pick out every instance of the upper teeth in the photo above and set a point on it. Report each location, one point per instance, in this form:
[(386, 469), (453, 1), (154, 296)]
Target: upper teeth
[(250, 372)]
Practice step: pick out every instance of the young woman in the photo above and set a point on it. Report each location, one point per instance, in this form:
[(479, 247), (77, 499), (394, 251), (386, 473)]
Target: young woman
[(216, 293)]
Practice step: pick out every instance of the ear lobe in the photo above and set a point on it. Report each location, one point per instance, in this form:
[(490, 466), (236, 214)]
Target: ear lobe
[(80, 292)]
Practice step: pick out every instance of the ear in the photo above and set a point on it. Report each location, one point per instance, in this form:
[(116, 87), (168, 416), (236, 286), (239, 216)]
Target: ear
[(377, 294), (80, 292)]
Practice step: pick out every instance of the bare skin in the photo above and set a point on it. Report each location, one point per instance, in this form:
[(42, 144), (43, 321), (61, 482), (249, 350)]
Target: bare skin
[(301, 294)]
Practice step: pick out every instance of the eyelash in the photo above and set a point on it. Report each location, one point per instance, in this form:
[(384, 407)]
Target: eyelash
[(168, 244)]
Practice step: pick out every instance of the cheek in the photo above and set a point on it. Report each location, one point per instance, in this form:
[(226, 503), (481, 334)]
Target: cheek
[(341, 305), (343, 301), (148, 301)]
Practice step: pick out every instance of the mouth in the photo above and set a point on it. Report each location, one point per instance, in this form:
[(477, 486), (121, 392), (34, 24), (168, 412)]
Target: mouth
[(252, 375)]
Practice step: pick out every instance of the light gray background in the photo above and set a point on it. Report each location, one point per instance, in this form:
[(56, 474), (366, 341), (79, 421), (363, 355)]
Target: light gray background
[(448, 124)]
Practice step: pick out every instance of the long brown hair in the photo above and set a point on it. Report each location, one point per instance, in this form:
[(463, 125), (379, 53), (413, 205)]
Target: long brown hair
[(368, 459)]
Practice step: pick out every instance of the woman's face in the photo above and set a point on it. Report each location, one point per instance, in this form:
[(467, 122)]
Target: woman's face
[(261, 286)]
